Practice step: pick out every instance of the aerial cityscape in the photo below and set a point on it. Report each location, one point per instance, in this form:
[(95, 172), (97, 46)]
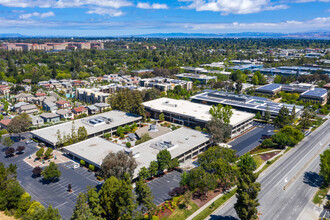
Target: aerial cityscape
[(164, 110)]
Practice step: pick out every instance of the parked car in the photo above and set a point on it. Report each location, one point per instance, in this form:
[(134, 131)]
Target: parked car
[(29, 141)]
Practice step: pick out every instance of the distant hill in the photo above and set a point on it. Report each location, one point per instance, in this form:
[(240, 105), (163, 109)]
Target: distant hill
[(11, 35), (313, 35)]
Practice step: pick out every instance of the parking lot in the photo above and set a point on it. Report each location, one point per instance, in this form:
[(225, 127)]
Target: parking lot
[(55, 193), (162, 185), (252, 139)]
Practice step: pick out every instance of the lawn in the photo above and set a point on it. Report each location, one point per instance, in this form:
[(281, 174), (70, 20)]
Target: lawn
[(320, 195), (258, 160), (181, 214)]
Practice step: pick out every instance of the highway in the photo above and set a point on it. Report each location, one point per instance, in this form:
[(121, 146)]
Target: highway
[(289, 184)]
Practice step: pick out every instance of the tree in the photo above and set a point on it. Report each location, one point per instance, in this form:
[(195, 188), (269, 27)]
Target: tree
[(267, 143), (8, 141), (222, 113), (145, 198), (161, 117), (19, 124), (305, 119), (163, 159), (186, 198), (211, 155), (258, 115), (198, 178), (267, 114), (144, 173), (153, 168), (108, 198), (283, 118), (37, 171), (247, 163), (51, 172), (277, 79), (20, 149), (125, 199), (91, 167), (48, 152), (281, 139), (82, 211), (247, 194), (40, 152), (255, 80), (239, 87), (117, 164), (173, 163), (218, 129), (94, 201), (325, 166), (52, 213), (9, 151), (120, 130), (82, 133)]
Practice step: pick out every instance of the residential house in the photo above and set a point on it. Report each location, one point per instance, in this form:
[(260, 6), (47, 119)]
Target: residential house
[(23, 97), (80, 110), (40, 94), (18, 105), (47, 86), (37, 120), (65, 113), (101, 106), (49, 106), (4, 123), (4, 90), (28, 109), (62, 104), (92, 109), (50, 117)]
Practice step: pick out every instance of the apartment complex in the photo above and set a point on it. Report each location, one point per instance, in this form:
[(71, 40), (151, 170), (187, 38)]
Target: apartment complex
[(165, 84), (91, 95)]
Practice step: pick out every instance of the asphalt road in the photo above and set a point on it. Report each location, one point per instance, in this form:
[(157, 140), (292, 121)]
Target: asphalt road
[(250, 140), (289, 184)]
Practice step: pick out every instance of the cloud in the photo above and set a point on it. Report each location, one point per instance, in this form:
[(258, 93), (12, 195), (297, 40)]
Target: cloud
[(64, 3), (151, 6), (304, 1), (106, 11), (37, 14), (233, 6), (289, 26)]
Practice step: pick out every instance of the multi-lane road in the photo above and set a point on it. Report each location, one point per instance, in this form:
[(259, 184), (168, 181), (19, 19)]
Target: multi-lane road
[(289, 184)]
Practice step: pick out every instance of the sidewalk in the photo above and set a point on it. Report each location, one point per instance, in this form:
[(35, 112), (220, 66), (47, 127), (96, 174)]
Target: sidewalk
[(207, 204)]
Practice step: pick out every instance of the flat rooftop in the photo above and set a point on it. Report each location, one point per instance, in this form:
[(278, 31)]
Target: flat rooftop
[(93, 124), (93, 150), (316, 92), (181, 141), (243, 101), (199, 112)]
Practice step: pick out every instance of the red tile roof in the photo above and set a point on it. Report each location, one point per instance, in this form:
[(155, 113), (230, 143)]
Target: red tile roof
[(62, 102), (38, 94), (80, 109), (5, 121)]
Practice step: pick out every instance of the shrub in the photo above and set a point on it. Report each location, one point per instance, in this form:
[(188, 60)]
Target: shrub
[(122, 136), (128, 144), (82, 162), (91, 167)]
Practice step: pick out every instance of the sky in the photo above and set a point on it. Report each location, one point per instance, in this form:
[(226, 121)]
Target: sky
[(130, 17)]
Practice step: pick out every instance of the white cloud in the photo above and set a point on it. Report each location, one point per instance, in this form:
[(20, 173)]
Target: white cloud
[(64, 3), (105, 11), (288, 26), (145, 5), (37, 14), (233, 6), (304, 1)]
